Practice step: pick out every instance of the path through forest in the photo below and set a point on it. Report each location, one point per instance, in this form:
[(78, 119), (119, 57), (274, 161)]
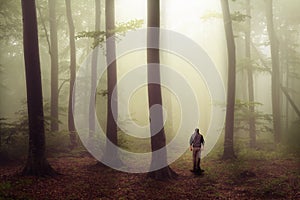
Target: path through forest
[(82, 179)]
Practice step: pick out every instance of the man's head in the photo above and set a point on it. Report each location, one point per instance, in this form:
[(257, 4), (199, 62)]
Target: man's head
[(197, 130)]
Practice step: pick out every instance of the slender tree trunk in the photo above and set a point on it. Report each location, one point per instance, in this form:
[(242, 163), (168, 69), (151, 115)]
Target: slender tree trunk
[(275, 72), (71, 125), (289, 98), (229, 122), (287, 108), (252, 129), (111, 123), (285, 60), (37, 163), (158, 140), (94, 71), (54, 66), (287, 86)]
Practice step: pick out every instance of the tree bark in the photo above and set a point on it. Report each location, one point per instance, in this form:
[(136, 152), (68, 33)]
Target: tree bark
[(111, 123), (37, 163), (252, 128), (94, 72), (54, 66), (275, 72), (158, 140), (71, 124), (229, 122), (287, 85)]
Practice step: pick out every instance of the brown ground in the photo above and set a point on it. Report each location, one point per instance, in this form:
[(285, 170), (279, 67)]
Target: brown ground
[(82, 179)]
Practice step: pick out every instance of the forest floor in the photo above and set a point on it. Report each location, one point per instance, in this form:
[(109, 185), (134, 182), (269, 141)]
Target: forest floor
[(256, 177)]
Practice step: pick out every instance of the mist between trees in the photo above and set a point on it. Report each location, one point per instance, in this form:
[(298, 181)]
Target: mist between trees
[(254, 44)]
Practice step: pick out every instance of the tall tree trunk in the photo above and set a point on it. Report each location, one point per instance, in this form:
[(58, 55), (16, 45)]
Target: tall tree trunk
[(229, 122), (275, 72), (54, 66), (71, 125), (158, 140), (37, 163), (287, 86), (94, 71), (252, 129), (285, 62), (111, 123)]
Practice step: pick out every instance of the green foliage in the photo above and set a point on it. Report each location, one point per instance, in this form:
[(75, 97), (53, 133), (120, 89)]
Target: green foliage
[(252, 64), (10, 129), (4, 188), (14, 135), (8, 188), (211, 15), (265, 149), (100, 36), (10, 21), (13, 139), (236, 16), (243, 114)]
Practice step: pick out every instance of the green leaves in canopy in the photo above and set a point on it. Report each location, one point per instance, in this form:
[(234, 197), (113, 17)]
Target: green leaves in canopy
[(236, 16), (121, 28)]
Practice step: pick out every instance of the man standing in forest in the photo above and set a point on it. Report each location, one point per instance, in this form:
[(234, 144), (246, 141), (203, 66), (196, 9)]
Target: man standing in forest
[(196, 142)]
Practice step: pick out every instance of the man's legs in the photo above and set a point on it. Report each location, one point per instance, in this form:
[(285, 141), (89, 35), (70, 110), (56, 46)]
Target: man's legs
[(195, 158), (198, 162)]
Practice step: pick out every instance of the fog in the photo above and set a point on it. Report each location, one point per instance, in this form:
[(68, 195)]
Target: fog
[(119, 96), (199, 21)]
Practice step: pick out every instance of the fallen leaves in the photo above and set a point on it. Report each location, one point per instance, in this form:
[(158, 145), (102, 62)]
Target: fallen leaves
[(83, 178)]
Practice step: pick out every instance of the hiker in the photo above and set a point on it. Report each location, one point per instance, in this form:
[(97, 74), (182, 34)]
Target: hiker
[(196, 143)]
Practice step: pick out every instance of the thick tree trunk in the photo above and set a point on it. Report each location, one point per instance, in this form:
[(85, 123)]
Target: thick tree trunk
[(111, 124), (37, 163), (54, 66), (71, 125), (94, 72), (158, 140), (229, 122), (275, 72), (252, 128)]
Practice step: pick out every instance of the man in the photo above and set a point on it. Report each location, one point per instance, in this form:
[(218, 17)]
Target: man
[(196, 142)]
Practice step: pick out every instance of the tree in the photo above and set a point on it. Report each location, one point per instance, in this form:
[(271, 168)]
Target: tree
[(54, 65), (111, 125), (275, 71), (158, 140), (37, 163), (229, 122), (94, 70), (71, 125), (252, 132)]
